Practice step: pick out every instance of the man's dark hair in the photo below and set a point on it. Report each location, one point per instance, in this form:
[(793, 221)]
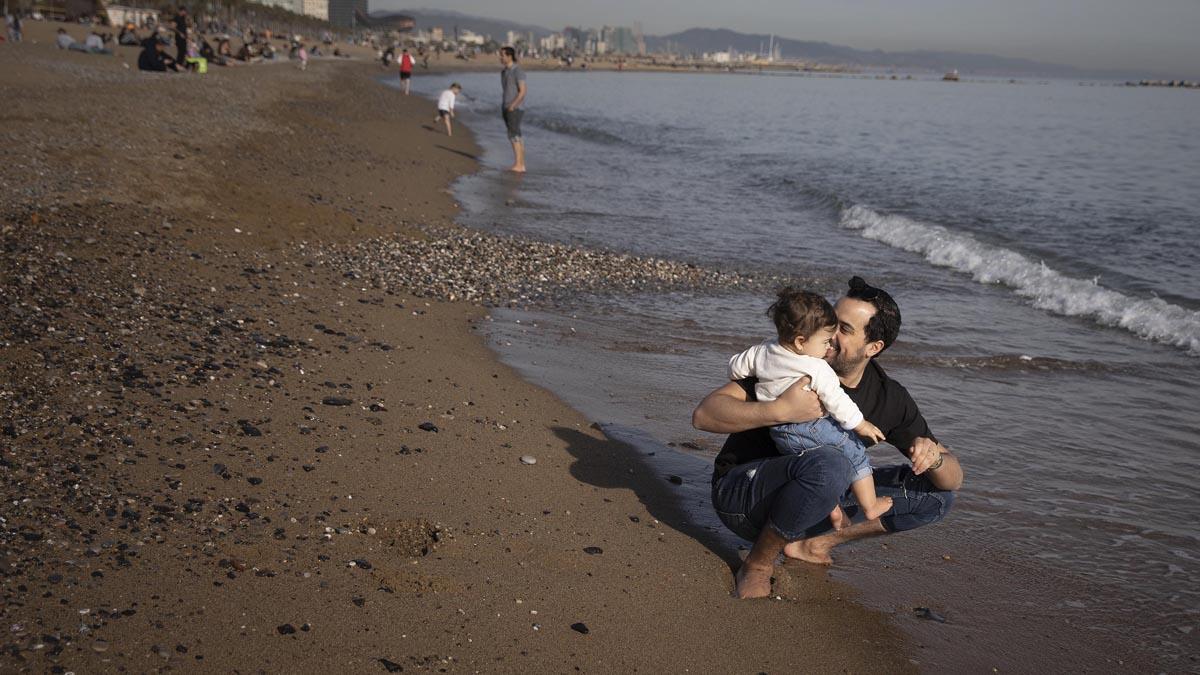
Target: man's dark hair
[(512, 53), (885, 324), (798, 313)]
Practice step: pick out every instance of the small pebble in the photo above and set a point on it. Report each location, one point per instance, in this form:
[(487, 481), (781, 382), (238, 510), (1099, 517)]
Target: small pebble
[(528, 459), (580, 628)]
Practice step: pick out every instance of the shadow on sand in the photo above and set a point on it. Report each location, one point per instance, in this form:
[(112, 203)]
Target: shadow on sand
[(457, 152), (609, 463)]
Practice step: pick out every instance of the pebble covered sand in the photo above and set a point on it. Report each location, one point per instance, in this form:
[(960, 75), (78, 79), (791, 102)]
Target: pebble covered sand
[(453, 264)]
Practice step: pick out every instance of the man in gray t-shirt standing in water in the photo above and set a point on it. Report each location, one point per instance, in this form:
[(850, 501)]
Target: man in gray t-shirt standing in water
[(512, 79)]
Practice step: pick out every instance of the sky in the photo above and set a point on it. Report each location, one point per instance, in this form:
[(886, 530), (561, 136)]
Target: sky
[(1160, 36)]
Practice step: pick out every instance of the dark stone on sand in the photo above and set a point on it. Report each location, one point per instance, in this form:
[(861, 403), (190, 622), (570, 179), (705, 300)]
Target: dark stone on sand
[(362, 562), (219, 468), (391, 666), (928, 614), (254, 480), (580, 628), (593, 550), (378, 407), (634, 519), (677, 480), (336, 400), (286, 629), (358, 602), (428, 426), (249, 429)]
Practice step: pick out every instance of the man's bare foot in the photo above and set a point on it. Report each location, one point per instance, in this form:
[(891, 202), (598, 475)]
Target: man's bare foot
[(881, 506), (752, 582), (838, 518), (517, 169), (815, 550)]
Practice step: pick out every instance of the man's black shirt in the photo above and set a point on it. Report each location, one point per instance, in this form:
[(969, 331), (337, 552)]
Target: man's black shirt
[(882, 400)]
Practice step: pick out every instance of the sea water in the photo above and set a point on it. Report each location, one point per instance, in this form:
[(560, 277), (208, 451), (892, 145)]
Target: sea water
[(1040, 238)]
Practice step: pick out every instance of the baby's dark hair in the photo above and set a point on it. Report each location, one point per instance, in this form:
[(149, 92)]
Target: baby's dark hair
[(799, 313)]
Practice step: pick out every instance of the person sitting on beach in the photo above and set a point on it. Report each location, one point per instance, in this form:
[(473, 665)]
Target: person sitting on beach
[(95, 44), (128, 36), (806, 323), (153, 57), (302, 54), (445, 106), (63, 40), (783, 503)]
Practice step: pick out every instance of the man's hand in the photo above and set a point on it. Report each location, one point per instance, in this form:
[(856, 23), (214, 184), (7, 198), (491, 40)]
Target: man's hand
[(925, 453), (728, 409), (797, 404)]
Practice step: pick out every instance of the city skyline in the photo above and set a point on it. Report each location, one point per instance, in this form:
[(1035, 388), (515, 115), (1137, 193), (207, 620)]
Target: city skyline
[(1154, 35)]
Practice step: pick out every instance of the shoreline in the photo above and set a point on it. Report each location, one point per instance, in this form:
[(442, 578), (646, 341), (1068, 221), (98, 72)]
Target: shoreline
[(252, 474)]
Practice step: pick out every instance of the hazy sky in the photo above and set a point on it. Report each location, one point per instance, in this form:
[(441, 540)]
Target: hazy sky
[(1155, 35)]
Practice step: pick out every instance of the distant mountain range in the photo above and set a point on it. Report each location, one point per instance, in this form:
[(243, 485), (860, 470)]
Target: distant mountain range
[(701, 40)]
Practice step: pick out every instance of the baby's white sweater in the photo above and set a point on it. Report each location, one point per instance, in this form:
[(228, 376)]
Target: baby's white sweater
[(778, 368)]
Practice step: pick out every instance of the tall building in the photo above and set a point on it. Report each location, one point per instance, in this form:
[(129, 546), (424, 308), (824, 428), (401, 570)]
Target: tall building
[(317, 9), (290, 5), (342, 13)]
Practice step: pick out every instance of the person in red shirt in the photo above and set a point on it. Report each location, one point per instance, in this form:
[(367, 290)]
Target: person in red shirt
[(406, 67)]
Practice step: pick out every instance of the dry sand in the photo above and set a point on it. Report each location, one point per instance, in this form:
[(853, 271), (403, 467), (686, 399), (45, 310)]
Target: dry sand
[(222, 450)]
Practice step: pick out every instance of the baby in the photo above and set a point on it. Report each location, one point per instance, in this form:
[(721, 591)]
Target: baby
[(806, 324)]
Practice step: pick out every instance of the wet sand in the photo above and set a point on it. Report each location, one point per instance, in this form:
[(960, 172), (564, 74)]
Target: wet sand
[(226, 445)]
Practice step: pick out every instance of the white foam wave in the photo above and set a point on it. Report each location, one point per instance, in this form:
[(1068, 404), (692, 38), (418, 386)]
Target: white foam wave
[(1048, 289)]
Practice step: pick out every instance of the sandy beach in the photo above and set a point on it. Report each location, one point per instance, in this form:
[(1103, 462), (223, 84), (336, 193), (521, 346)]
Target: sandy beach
[(245, 427)]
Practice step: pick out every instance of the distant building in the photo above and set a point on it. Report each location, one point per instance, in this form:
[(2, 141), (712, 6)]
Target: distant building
[(471, 38), (347, 13), (293, 6), (437, 34), (317, 9)]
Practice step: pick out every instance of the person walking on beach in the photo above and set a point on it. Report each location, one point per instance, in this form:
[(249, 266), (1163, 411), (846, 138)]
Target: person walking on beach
[(406, 68), (181, 35), (782, 503), (512, 81), (445, 106)]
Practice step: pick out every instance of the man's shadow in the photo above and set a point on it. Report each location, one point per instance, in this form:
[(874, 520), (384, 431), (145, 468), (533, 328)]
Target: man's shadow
[(674, 488)]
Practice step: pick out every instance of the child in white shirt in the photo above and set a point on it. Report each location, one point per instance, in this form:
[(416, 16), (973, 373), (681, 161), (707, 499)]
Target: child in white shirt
[(806, 324), (446, 106)]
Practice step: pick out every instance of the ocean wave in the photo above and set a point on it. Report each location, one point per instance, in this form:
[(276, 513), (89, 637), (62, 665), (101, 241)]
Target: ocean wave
[(581, 131), (1150, 318), (1008, 363)]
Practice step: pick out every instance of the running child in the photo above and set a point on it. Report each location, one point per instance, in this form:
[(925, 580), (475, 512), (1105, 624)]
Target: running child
[(446, 106)]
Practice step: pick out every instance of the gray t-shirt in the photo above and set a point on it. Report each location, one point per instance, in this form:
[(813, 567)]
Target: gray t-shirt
[(509, 77)]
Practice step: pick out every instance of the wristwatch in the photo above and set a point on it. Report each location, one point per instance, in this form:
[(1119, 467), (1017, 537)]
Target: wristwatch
[(938, 464)]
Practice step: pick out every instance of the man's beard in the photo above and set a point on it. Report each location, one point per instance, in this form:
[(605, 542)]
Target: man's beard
[(844, 363)]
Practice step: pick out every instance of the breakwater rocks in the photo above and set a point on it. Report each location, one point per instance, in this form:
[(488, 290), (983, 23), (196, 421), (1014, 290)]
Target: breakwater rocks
[(453, 264)]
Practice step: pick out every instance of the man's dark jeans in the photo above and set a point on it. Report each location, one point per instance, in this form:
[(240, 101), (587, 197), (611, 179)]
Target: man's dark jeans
[(795, 493)]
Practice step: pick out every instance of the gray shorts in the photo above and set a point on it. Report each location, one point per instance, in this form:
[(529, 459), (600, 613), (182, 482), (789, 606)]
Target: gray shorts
[(512, 121)]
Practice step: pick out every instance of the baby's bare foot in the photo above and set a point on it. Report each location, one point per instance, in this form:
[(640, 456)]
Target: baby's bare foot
[(752, 582), (881, 506), (838, 517), (815, 550)]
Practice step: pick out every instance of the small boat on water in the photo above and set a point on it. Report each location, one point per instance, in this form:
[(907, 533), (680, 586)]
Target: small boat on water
[(951, 76)]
